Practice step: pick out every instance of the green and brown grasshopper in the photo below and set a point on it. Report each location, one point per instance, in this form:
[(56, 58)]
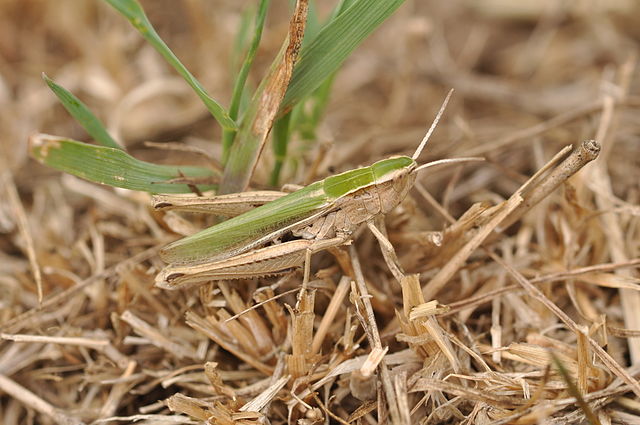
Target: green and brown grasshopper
[(319, 216)]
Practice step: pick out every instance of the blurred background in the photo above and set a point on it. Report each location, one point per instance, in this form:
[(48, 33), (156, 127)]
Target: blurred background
[(512, 64)]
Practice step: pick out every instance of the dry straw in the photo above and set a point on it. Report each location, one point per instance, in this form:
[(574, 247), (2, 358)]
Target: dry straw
[(495, 264)]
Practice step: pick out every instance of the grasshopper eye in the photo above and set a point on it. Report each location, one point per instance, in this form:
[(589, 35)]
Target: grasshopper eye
[(174, 276)]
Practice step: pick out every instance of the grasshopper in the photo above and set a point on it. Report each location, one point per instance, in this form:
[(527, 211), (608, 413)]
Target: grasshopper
[(281, 235)]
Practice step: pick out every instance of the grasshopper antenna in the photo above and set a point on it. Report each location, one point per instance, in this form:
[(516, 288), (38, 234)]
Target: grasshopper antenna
[(434, 124), (450, 161)]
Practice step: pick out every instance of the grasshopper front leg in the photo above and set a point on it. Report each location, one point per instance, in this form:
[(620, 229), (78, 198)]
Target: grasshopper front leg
[(269, 261), (386, 247)]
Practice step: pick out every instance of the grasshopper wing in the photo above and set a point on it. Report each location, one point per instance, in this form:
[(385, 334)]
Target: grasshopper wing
[(251, 229), (229, 205)]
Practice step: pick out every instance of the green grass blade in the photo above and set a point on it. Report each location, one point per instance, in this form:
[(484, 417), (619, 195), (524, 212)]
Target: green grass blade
[(111, 166), (281, 135), (82, 114), (313, 23), (241, 40), (132, 10), (238, 88), (261, 113), (574, 391), (306, 115), (309, 112), (324, 55), (340, 7)]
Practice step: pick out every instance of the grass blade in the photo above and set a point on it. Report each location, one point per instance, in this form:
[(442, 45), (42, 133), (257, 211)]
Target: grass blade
[(263, 109), (111, 166), (305, 116), (574, 391), (281, 136), (309, 115), (313, 24), (82, 114), (238, 88), (132, 10), (333, 44), (241, 40)]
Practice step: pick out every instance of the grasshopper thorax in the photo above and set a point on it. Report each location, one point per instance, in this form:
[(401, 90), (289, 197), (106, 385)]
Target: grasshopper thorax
[(365, 193), (394, 186)]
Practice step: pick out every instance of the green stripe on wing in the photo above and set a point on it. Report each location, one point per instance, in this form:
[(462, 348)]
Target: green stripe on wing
[(381, 168), (353, 180)]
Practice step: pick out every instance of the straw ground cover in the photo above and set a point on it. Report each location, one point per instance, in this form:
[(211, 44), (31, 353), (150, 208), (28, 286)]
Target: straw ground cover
[(534, 251)]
